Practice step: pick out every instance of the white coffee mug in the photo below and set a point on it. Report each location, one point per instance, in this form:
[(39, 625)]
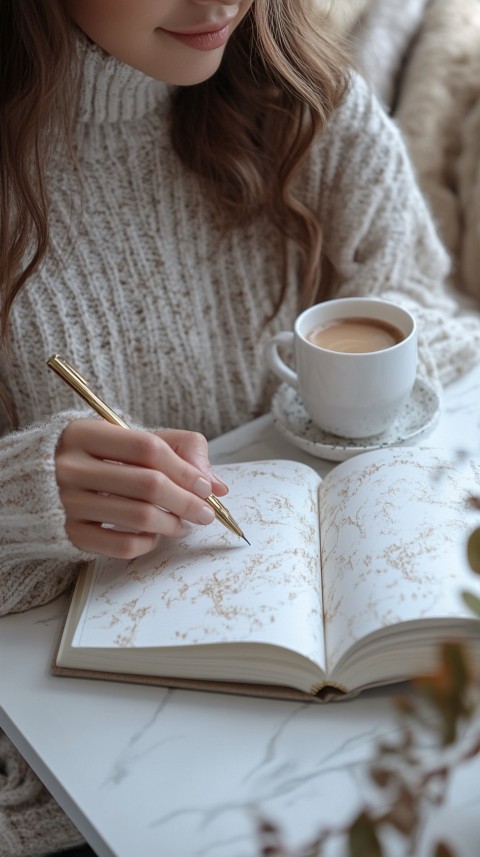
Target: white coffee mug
[(350, 394)]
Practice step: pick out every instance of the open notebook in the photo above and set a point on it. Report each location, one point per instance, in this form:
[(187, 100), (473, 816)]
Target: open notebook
[(349, 582)]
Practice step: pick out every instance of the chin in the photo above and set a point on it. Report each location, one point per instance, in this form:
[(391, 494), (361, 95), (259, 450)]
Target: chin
[(192, 80), (188, 76)]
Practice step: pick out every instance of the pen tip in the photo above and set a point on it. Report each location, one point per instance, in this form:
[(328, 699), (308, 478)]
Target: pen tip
[(245, 539)]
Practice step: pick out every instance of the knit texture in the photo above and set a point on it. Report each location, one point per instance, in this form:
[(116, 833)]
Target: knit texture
[(165, 315), (31, 822)]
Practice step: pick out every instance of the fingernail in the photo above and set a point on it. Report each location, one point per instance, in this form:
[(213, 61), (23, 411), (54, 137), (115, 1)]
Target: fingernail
[(206, 515), (217, 479), (202, 488)]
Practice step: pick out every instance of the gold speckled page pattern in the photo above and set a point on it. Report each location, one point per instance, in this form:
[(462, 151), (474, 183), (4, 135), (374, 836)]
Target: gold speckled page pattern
[(211, 587), (394, 527)]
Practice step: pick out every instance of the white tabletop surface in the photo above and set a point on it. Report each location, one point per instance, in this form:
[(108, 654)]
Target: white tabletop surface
[(152, 772)]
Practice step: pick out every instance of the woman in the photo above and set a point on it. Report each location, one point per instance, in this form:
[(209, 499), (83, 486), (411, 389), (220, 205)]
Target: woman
[(178, 179)]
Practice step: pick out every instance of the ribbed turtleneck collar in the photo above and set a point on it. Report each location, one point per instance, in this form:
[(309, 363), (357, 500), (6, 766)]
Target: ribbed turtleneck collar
[(111, 91)]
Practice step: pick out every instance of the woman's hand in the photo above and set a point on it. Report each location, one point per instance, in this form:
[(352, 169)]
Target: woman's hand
[(134, 480), (193, 447)]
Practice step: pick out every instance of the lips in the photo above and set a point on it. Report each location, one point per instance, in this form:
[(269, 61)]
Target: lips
[(206, 29), (207, 38)]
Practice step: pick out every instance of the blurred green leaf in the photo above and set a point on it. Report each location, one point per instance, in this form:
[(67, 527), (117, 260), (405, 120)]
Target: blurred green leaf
[(455, 660), (362, 838), (472, 602), (447, 690), (473, 550)]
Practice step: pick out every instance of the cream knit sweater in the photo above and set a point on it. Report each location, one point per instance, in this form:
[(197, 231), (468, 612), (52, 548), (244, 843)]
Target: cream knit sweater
[(165, 316)]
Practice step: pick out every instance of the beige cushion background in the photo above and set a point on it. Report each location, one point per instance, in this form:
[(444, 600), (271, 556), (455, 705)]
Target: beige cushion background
[(422, 59)]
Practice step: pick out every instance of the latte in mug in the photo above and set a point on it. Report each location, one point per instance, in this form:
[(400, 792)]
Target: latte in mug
[(355, 384), (356, 335)]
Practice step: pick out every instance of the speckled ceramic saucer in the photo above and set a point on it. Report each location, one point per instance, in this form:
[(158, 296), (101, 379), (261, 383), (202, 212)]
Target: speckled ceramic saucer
[(418, 417)]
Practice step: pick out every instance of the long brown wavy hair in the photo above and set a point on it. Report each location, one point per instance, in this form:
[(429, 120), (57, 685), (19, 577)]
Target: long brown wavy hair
[(280, 80)]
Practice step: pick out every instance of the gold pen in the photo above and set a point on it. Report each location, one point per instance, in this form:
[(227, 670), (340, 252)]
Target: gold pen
[(78, 383)]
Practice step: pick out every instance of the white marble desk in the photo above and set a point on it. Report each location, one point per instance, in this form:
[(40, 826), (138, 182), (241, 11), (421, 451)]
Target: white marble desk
[(150, 772)]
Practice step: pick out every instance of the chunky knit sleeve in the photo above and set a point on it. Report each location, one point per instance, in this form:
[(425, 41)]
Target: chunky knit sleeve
[(37, 560), (31, 823), (380, 236)]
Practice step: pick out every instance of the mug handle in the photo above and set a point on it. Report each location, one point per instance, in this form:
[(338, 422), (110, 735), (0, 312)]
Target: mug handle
[(274, 360)]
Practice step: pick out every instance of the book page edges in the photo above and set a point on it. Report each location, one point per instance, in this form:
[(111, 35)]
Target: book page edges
[(325, 693), (321, 692)]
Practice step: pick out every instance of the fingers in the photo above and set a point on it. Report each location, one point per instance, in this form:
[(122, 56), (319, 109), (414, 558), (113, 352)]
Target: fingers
[(130, 497), (145, 449), (155, 474), (152, 487), (123, 513), (85, 530), (132, 480), (94, 538), (193, 447)]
